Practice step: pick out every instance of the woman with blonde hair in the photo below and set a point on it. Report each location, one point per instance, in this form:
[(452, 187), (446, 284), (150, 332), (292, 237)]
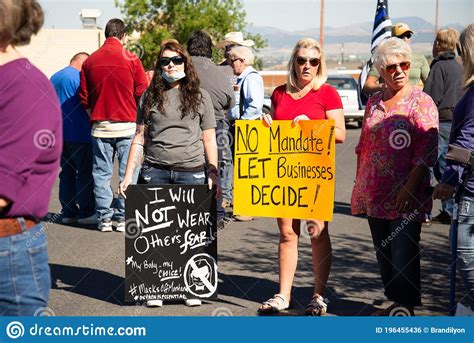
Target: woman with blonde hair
[(305, 96), (462, 136)]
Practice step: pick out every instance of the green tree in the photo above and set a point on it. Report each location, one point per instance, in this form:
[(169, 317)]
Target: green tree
[(156, 20)]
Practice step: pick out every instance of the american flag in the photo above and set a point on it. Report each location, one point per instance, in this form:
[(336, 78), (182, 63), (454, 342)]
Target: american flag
[(382, 24), (382, 29)]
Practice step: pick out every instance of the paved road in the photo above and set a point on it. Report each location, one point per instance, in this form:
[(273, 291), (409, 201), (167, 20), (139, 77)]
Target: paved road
[(88, 266)]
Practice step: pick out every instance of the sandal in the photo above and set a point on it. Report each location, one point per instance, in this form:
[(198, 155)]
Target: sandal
[(317, 306), (275, 304)]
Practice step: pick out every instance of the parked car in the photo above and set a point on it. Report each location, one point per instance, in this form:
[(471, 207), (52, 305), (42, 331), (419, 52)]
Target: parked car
[(346, 86)]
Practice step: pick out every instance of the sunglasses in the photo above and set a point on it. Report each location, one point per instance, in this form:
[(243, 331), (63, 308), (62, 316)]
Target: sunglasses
[(177, 60), (314, 62), (236, 59), (393, 67), (405, 35)]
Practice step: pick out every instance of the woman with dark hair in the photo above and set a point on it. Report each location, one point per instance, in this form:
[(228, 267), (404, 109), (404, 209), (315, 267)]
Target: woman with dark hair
[(175, 114), (30, 151)]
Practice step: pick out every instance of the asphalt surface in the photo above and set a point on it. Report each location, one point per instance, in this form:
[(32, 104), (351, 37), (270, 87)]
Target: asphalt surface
[(88, 266)]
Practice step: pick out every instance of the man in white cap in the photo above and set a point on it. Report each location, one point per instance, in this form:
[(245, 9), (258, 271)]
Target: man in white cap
[(231, 40), (234, 38)]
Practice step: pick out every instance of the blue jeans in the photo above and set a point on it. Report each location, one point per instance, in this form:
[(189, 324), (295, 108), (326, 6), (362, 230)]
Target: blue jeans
[(397, 249), (225, 142), (224, 146), (104, 150), (76, 186), (443, 144), (465, 260), (156, 176), (25, 278)]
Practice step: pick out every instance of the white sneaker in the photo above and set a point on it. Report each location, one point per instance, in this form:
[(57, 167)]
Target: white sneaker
[(66, 220), (91, 220), (121, 226), (193, 302), (154, 303), (105, 225)]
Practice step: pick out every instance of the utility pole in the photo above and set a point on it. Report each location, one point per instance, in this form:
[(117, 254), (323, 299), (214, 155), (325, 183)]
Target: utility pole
[(321, 25), (436, 18)]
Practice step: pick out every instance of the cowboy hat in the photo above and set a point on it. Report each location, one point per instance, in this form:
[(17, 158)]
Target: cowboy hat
[(234, 38)]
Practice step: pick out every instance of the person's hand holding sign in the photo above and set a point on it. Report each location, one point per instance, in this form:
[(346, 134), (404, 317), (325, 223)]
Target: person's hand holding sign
[(124, 185), (267, 119), (298, 118)]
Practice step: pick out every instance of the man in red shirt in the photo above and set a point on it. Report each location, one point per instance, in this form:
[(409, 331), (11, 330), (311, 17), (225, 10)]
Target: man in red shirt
[(112, 81)]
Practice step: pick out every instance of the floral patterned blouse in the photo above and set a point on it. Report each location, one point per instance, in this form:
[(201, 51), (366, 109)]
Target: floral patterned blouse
[(391, 144)]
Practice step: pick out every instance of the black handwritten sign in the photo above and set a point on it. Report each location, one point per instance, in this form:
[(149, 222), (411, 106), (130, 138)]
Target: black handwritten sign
[(171, 243)]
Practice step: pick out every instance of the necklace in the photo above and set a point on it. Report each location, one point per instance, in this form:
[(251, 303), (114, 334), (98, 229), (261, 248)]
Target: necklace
[(301, 92)]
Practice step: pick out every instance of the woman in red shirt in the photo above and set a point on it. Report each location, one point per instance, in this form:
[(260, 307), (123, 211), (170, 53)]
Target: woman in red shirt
[(305, 96)]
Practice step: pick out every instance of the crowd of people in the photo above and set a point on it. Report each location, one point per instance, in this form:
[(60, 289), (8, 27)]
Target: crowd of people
[(165, 127)]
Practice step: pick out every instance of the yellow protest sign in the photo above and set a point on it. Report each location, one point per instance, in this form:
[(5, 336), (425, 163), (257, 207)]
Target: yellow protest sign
[(284, 171)]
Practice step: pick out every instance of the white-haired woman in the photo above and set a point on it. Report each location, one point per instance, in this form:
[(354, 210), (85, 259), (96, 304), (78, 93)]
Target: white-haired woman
[(462, 135), (305, 96), (397, 146)]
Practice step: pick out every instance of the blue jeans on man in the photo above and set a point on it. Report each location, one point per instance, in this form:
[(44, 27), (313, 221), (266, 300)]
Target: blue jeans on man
[(104, 150), (225, 142), (465, 243), (76, 186), (227, 159), (25, 282)]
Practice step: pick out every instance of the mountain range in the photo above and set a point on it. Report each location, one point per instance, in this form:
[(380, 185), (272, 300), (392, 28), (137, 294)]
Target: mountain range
[(355, 33), (355, 39)]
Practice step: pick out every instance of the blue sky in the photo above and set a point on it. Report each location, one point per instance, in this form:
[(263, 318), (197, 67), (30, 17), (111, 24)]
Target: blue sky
[(285, 14)]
